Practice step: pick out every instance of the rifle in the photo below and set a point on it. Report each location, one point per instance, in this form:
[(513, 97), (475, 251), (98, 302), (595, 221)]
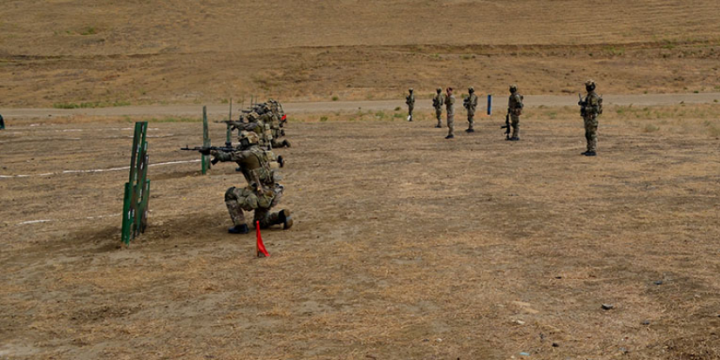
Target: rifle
[(233, 125), (206, 150), (582, 105), (466, 102), (507, 126)]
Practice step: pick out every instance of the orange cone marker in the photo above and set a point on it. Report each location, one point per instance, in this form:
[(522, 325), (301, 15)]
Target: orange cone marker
[(260, 250)]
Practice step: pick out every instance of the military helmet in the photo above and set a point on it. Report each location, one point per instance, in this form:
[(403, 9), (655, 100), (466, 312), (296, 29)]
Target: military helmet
[(253, 116), (411, 89), (513, 88), (439, 90), (590, 85), (471, 90), (248, 138)]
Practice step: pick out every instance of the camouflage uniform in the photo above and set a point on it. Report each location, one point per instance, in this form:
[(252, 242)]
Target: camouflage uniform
[(515, 107), (262, 191), (450, 108), (410, 101), (591, 108), (438, 102), (281, 117), (470, 104)]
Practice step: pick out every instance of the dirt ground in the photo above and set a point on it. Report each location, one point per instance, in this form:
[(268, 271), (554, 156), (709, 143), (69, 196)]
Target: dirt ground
[(405, 246), (115, 53)]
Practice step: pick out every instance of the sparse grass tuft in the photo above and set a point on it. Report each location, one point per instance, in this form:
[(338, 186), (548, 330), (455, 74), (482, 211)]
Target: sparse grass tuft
[(397, 108), (90, 30), (90, 105), (650, 128), (324, 118), (335, 98)]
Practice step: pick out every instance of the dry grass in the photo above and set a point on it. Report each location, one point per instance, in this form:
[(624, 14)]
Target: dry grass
[(182, 51), (406, 245)]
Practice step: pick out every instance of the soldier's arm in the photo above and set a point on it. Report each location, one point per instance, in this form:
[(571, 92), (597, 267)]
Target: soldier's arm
[(223, 156)]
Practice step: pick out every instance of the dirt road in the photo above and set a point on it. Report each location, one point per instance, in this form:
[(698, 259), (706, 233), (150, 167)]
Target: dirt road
[(348, 106)]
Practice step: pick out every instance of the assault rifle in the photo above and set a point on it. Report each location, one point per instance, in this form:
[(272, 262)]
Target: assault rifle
[(507, 126), (205, 150), (582, 105)]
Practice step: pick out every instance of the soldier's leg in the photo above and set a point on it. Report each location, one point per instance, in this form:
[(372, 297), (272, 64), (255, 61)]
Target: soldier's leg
[(233, 198), (268, 219), (592, 136), (410, 111), (515, 122), (280, 144), (451, 126), (471, 120), (587, 123), (438, 115)]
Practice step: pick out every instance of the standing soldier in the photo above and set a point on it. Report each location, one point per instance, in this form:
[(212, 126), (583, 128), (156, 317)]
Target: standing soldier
[(410, 101), (470, 103), (590, 108), (450, 108), (515, 106), (438, 102)]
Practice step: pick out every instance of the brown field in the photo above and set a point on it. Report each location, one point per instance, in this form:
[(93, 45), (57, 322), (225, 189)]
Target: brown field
[(406, 246), (114, 52)]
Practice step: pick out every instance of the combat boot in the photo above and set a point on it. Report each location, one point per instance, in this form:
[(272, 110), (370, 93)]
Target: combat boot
[(470, 130), (239, 229), (514, 138), (285, 218), (590, 153), (450, 137), (286, 143)]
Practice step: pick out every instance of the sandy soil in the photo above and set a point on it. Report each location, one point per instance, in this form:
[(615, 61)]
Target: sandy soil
[(406, 245)]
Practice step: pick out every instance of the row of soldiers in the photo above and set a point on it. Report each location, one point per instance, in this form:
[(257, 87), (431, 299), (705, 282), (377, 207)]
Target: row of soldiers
[(590, 109), (260, 129)]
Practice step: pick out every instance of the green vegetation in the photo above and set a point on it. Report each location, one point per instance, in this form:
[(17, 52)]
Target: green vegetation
[(335, 98), (90, 30), (324, 119), (90, 105)]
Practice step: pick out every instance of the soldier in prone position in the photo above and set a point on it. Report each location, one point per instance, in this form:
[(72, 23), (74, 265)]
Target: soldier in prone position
[(262, 192), (450, 108), (410, 101), (438, 102), (470, 103), (515, 107), (590, 109)]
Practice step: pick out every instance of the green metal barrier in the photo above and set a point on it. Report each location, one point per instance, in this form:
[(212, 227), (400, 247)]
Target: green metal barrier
[(205, 159), (137, 189)]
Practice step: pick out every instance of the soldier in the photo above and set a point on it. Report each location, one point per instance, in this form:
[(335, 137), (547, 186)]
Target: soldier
[(470, 103), (590, 109), (277, 109), (450, 108), (2, 123), (515, 106), (438, 102), (262, 191), (410, 101), (271, 121)]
